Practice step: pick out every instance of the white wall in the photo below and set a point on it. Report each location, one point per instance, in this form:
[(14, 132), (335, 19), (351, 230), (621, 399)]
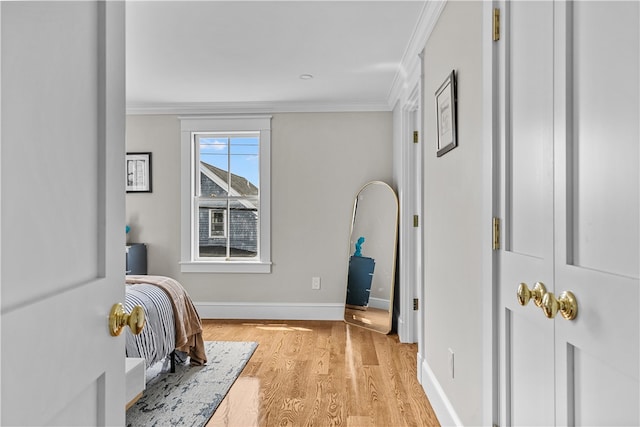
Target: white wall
[(319, 162), (452, 217)]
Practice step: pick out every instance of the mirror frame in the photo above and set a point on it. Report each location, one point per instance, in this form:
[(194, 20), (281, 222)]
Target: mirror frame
[(386, 328)]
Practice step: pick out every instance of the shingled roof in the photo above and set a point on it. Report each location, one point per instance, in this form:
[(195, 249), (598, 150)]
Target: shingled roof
[(238, 183)]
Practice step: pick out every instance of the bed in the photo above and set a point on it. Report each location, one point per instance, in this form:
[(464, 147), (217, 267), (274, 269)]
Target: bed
[(173, 326)]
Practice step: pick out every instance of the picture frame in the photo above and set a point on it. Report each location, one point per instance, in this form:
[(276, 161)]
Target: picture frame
[(138, 172), (446, 115)]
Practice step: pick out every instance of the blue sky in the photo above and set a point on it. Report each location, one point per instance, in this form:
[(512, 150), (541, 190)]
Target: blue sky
[(241, 151)]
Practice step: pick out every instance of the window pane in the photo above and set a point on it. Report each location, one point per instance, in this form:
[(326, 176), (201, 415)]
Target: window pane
[(244, 161), (210, 246), (214, 154), (243, 228)]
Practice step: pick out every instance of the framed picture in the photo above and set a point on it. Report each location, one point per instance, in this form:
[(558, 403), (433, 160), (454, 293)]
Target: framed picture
[(446, 115), (138, 169)]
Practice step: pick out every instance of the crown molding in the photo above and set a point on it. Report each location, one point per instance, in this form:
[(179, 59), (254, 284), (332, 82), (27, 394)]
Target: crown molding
[(409, 70), (252, 107)]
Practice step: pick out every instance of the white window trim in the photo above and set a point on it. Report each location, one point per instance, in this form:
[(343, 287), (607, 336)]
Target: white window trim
[(194, 124)]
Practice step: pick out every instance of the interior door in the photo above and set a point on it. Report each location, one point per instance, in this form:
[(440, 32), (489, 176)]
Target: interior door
[(597, 211), (62, 212), (569, 202), (527, 211)]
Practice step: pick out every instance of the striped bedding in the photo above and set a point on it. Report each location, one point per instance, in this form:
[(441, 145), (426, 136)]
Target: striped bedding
[(157, 339)]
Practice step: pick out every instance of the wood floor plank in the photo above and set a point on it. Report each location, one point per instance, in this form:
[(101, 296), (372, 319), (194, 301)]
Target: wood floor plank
[(321, 373)]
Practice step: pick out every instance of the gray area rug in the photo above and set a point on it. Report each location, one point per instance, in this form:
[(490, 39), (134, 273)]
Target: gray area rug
[(190, 396)]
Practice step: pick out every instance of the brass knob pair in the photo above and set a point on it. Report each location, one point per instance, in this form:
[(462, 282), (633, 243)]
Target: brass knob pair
[(567, 304)]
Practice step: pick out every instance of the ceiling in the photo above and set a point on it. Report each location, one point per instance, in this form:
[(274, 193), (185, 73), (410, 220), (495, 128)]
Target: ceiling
[(223, 55)]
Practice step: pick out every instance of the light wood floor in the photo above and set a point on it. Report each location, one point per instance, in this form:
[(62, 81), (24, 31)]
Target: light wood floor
[(321, 373)]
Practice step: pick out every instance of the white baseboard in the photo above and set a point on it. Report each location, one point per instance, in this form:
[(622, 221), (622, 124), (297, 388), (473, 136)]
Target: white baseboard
[(419, 366), (270, 311), (439, 402)]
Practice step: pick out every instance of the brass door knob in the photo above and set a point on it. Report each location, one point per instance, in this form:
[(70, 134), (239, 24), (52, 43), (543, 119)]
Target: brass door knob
[(118, 319), (567, 305), (525, 294)]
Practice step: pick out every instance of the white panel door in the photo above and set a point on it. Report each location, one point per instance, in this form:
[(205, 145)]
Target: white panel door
[(526, 102), (62, 215), (597, 211), (569, 198)]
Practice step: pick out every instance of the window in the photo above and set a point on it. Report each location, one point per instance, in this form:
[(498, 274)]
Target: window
[(225, 194), (227, 181), (217, 223)]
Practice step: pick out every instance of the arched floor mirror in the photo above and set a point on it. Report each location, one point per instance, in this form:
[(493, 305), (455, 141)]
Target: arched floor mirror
[(372, 258)]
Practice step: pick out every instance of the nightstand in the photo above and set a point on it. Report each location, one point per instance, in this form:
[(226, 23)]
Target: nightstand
[(135, 374), (136, 259)]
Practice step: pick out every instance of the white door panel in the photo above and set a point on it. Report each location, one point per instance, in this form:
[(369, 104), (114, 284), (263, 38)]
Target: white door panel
[(527, 211), (605, 399), (605, 133), (62, 218), (530, 128), (46, 164), (51, 358), (529, 379)]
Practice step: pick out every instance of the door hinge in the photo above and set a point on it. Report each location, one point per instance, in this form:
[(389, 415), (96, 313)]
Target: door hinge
[(415, 136), (496, 24), (496, 234), (416, 220), (415, 304)]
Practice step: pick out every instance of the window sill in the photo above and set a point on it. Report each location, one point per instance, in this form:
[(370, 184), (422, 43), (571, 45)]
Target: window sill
[(225, 267)]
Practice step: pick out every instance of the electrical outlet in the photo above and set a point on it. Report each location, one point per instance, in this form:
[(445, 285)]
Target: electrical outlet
[(315, 283), (451, 364)]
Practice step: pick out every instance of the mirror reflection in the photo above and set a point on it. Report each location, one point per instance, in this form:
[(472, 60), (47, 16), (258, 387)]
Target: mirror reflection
[(372, 258)]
